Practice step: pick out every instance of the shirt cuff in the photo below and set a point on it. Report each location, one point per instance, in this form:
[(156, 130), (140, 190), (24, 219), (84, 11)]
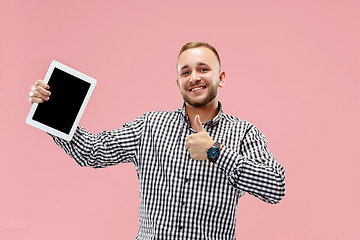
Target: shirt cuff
[(228, 160)]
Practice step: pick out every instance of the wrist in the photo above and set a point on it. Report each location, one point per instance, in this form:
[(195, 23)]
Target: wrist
[(213, 152)]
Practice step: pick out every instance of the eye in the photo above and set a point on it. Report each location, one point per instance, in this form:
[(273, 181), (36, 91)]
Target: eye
[(204, 70), (185, 73)]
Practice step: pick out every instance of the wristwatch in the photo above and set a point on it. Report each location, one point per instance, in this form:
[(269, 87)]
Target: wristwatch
[(213, 153)]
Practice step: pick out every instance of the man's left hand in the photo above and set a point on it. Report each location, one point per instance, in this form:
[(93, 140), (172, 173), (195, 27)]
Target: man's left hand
[(198, 143)]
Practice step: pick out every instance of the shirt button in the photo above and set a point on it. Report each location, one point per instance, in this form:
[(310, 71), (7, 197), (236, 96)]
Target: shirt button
[(183, 203), (180, 227), (186, 180)]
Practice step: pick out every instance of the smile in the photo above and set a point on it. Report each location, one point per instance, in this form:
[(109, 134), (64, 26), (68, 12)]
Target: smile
[(197, 88)]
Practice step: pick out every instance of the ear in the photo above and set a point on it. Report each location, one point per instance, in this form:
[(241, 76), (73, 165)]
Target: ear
[(178, 83), (221, 79)]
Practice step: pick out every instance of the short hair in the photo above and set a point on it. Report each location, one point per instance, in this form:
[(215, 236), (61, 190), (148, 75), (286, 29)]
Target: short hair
[(196, 44)]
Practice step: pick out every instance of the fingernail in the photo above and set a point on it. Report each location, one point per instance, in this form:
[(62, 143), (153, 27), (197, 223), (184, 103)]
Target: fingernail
[(31, 94)]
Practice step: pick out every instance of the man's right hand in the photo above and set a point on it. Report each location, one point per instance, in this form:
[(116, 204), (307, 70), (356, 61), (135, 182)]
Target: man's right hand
[(39, 92)]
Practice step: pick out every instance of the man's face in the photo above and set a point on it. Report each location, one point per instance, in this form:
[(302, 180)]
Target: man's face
[(199, 76)]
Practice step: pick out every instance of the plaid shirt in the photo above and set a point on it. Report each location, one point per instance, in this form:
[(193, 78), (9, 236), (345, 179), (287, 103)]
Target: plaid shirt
[(182, 198)]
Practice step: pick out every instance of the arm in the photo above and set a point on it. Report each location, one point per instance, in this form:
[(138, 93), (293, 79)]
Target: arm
[(254, 169), (96, 150), (106, 148)]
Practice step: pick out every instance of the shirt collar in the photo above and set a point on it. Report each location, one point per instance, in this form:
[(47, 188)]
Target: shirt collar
[(211, 123)]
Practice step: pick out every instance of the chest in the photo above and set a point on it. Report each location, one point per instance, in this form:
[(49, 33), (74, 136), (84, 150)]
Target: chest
[(163, 155)]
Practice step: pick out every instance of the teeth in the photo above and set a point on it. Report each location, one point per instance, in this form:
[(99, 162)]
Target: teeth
[(198, 88)]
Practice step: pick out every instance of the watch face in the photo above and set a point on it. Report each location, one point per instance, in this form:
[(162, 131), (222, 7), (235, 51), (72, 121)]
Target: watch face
[(213, 153)]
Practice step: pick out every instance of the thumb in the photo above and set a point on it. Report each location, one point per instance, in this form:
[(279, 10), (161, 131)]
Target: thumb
[(198, 125)]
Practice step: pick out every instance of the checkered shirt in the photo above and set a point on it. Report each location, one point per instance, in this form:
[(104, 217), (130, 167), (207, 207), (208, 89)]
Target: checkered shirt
[(182, 198)]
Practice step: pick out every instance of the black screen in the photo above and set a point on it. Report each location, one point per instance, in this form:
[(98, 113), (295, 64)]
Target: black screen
[(67, 95)]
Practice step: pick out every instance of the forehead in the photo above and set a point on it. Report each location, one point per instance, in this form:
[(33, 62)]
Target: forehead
[(194, 56)]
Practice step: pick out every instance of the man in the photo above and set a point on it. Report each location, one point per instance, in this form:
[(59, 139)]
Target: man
[(191, 174)]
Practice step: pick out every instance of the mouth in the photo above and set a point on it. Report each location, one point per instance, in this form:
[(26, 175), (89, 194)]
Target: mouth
[(197, 88)]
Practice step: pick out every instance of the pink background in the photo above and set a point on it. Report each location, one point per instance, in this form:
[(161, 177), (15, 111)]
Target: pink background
[(292, 69)]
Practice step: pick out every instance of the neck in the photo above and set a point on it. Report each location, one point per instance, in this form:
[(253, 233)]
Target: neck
[(206, 113)]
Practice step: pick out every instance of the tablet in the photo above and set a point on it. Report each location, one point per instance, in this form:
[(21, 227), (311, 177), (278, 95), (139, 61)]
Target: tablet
[(70, 93)]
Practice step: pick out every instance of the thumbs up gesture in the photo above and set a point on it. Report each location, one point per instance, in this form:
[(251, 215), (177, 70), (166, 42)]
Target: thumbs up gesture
[(198, 143)]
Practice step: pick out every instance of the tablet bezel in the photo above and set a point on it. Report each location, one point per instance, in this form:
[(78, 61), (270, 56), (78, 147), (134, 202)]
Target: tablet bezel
[(29, 120)]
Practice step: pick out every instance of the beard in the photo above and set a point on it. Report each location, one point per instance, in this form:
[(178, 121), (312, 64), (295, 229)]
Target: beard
[(202, 102)]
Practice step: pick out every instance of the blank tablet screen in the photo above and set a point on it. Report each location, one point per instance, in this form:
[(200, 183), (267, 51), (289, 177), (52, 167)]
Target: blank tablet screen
[(67, 95)]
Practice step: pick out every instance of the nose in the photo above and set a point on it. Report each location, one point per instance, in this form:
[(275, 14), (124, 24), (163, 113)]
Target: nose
[(194, 77)]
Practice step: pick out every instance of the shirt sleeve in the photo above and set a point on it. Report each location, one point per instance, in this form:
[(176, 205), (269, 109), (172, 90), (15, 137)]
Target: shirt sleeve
[(254, 170), (105, 148)]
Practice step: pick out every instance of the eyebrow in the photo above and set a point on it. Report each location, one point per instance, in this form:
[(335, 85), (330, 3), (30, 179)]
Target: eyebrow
[(199, 64)]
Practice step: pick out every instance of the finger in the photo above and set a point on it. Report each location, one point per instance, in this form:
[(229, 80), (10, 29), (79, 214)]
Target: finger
[(35, 99), (188, 142), (37, 94), (41, 83), (198, 125), (42, 91)]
